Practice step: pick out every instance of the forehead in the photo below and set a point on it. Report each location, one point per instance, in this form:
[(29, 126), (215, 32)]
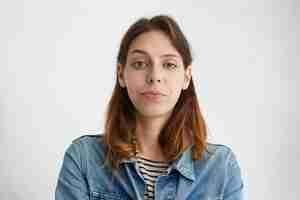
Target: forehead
[(154, 43)]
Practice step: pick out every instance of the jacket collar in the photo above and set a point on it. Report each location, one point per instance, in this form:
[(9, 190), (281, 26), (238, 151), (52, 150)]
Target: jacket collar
[(184, 164)]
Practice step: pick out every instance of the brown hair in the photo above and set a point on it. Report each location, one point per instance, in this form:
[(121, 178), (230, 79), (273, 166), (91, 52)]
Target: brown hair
[(186, 117)]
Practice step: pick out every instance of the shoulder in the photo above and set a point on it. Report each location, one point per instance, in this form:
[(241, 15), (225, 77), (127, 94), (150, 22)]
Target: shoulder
[(87, 146), (87, 138), (218, 149), (218, 162), (223, 165), (220, 154)]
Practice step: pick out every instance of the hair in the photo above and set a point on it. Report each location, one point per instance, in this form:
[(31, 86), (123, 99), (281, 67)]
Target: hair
[(120, 122)]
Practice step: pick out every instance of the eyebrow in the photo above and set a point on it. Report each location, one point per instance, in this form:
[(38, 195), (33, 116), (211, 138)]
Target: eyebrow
[(145, 53)]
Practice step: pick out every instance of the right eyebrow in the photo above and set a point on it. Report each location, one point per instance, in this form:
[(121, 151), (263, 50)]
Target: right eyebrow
[(139, 51)]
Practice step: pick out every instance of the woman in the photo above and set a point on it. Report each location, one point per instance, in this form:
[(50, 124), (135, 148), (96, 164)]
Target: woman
[(154, 144)]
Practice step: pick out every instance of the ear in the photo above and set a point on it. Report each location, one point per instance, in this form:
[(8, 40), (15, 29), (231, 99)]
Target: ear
[(120, 72), (187, 77)]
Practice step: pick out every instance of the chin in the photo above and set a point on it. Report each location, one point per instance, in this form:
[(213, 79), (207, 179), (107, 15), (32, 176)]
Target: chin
[(154, 113)]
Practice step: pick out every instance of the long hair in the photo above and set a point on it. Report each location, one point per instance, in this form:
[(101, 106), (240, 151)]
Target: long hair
[(120, 122)]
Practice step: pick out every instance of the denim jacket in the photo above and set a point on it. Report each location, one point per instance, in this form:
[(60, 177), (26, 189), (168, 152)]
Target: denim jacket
[(216, 176)]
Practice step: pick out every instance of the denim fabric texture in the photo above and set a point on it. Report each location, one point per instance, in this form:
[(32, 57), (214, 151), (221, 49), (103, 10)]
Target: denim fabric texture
[(83, 175)]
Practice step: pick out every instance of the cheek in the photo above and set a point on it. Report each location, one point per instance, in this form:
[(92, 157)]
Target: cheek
[(176, 84), (177, 87), (134, 83)]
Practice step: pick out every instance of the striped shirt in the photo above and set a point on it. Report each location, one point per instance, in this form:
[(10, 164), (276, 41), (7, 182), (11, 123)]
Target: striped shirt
[(151, 169)]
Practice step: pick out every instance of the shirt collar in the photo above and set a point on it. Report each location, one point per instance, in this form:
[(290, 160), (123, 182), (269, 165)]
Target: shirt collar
[(132, 159)]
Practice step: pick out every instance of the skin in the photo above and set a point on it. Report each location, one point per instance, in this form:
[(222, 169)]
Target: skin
[(153, 64)]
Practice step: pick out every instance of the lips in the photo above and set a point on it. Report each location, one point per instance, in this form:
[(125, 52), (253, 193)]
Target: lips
[(153, 96), (154, 93)]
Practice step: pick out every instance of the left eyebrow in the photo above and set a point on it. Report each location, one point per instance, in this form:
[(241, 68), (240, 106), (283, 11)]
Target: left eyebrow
[(139, 51), (170, 55)]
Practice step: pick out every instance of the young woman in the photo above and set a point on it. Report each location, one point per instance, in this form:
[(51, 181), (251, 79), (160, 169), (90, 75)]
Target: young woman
[(154, 144)]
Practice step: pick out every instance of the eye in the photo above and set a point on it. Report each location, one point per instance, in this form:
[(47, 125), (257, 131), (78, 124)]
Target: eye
[(139, 64), (170, 65)]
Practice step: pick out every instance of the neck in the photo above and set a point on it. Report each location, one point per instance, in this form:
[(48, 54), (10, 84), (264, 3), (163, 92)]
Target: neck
[(147, 133)]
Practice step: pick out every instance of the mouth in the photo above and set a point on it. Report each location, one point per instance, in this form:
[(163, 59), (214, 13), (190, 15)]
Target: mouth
[(152, 96), (152, 93)]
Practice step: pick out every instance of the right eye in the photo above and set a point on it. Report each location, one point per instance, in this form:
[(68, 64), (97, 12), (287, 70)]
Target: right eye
[(139, 64)]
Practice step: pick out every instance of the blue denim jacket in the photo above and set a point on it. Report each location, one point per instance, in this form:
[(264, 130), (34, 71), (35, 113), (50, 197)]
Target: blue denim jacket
[(84, 177)]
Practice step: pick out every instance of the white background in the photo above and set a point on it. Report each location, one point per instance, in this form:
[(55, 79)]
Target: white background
[(57, 65)]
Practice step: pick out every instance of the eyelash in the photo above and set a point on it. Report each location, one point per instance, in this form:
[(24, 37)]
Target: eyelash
[(138, 62), (173, 66)]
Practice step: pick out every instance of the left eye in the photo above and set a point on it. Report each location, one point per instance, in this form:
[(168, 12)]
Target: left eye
[(170, 65)]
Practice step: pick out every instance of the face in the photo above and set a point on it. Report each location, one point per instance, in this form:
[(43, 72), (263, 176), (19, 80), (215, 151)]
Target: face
[(154, 75)]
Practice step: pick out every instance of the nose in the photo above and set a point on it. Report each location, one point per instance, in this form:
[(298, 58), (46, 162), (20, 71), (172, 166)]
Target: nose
[(154, 75)]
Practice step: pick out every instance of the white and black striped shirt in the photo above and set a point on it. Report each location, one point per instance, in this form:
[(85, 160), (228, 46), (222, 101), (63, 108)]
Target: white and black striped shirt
[(151, 169)]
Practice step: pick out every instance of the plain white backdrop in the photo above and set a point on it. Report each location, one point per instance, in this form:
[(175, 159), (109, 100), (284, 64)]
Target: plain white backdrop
[(57, 71)]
